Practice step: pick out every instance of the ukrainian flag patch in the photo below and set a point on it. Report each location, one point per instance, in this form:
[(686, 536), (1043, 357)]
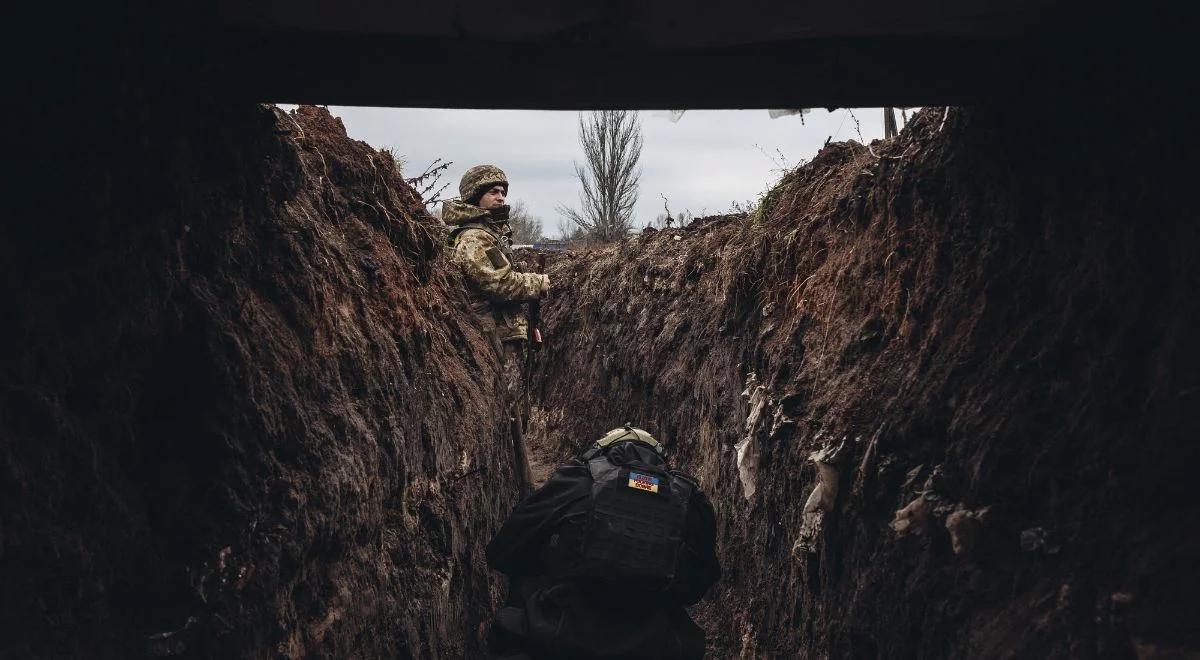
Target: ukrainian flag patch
[(646, 482)]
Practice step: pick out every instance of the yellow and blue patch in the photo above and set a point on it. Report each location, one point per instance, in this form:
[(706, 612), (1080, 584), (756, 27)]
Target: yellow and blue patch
[(646, 482)]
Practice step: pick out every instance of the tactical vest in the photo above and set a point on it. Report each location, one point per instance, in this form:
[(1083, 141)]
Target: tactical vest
[(503, 241), (630, 531), (503, 314)]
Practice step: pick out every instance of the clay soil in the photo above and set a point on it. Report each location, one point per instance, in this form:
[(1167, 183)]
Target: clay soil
[(248, 416), (984, 330)]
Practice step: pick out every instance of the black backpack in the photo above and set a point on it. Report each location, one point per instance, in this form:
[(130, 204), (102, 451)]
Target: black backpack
[(632, 530)]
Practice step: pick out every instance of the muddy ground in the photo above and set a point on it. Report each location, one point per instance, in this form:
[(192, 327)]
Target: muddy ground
[(248, 416), (977, 339)]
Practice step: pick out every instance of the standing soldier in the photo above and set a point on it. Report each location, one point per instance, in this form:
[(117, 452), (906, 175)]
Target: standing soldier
[(481, 240)]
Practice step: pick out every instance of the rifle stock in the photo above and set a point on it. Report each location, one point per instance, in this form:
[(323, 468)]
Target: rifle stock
[(520, 459), (535, 312), (520, 456)]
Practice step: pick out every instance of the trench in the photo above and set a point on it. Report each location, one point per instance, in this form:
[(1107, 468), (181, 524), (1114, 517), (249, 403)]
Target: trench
[(941, 391), (937, 389)]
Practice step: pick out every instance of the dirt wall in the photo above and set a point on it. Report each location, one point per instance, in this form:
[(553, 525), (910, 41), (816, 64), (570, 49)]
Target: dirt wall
[(242, 413), (942, 390)]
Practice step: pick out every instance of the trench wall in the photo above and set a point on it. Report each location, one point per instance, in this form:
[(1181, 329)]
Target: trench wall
[(243, 413), (977, 338)]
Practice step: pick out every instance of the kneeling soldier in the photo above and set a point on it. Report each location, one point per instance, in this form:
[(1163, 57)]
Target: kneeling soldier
[(604, 558)]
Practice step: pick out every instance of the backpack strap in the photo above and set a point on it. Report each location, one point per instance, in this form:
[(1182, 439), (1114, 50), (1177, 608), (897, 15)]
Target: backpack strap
[(684, 476), (600, 446), (452, 240)]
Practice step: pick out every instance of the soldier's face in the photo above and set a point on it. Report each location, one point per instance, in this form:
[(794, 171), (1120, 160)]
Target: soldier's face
[(492, 198)]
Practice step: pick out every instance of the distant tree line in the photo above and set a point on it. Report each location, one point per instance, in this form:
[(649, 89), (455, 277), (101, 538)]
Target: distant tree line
[(526, 227)]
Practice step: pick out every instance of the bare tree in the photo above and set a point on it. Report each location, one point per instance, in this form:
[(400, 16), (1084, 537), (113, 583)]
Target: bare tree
[(665, 218), (569, 231), (526, 228), (612, 147)]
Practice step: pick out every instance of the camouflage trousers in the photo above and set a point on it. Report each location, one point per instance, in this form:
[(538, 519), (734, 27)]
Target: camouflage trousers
[(513, 373)]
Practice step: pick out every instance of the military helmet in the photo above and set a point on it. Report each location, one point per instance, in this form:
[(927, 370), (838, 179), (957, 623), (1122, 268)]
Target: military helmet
[(480, 179), (628, 432)]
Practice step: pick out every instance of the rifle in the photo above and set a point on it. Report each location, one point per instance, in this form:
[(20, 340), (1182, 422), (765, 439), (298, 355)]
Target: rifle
[(535, 318), (520, 458), (516, 412)]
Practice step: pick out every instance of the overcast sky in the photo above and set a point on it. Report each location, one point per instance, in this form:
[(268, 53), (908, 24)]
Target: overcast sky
[(702, 163)]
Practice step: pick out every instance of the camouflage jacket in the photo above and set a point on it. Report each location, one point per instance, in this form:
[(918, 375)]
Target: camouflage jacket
[(482, 249)]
